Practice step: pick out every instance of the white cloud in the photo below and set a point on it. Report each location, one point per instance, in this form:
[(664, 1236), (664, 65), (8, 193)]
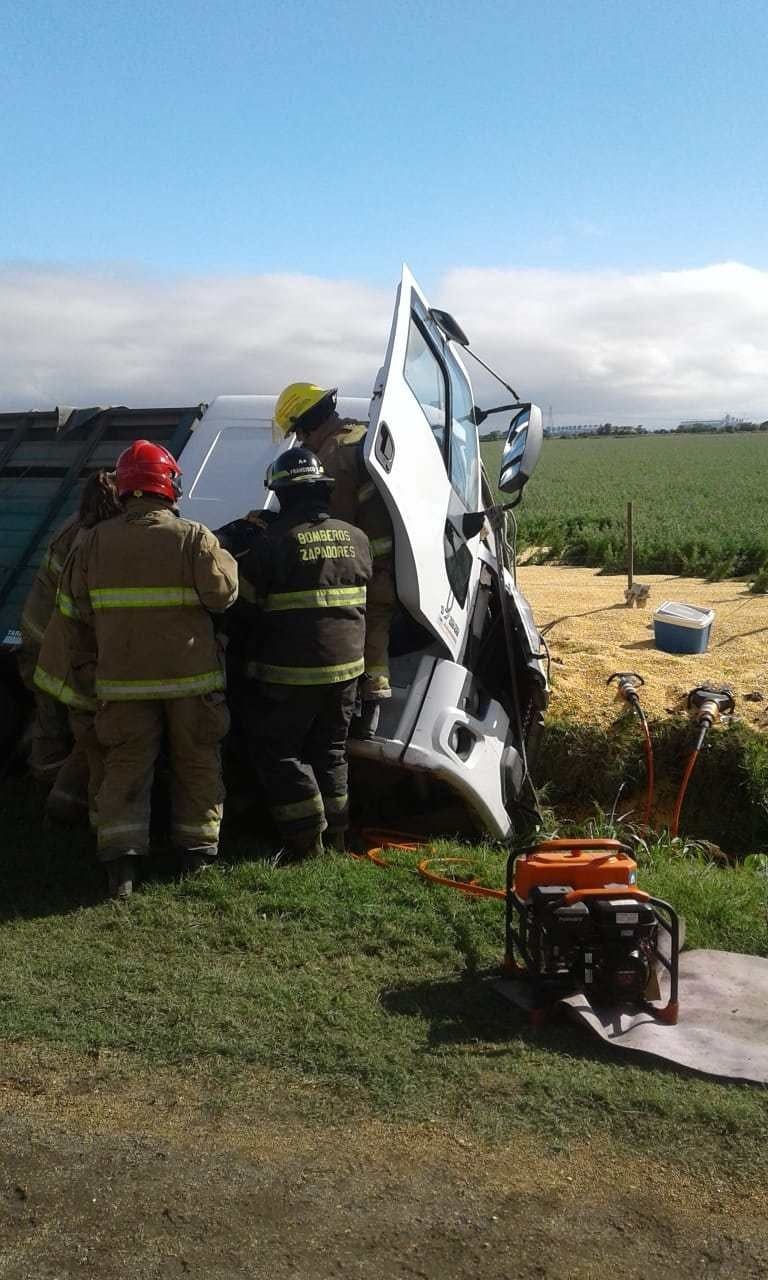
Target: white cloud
[(84, 338), (598, 345), (610, 345)]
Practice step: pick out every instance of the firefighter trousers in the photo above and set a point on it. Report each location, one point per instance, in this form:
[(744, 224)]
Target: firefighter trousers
[(85, 766), (298, 736), (72, 795), (130, 735), (379, 607), (57, 756)]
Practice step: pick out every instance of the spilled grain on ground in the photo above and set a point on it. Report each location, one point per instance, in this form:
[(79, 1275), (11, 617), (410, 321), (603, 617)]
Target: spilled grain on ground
[(591, 633)]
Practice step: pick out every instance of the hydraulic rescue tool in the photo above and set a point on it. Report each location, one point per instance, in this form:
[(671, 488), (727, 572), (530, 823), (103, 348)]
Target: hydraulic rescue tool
[(708, 703), (576, 921), (629, 684)]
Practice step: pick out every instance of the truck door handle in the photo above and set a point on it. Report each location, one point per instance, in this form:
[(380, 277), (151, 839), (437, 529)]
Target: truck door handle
[(384, 448)]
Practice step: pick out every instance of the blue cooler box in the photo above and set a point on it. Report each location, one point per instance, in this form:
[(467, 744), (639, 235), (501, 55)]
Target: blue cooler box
[(682, 628)]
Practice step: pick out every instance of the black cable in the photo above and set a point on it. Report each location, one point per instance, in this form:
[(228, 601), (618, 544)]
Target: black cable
[(501, 558), (513, 518), (468, 351)]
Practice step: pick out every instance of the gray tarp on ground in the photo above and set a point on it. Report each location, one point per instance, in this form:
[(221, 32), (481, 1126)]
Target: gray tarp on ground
[(723, 1026)]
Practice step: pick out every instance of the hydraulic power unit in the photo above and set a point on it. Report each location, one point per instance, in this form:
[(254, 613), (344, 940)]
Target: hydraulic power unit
[(576, 921)]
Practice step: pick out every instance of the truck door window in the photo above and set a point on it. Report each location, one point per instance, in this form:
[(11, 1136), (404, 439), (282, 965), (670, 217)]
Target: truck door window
[(437, 381), (463, 466), (464, 474), (426, 378)]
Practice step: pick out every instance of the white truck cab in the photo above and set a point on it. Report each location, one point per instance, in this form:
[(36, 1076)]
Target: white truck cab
[(469, 685)]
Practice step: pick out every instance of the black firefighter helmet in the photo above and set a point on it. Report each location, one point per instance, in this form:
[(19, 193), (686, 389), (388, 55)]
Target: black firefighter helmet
[(296, 468)]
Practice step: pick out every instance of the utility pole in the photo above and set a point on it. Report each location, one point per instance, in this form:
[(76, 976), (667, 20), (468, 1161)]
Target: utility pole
[(636, 593)]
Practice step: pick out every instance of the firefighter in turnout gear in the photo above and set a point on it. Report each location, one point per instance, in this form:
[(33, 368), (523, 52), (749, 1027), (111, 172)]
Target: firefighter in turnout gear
[(143, 586), (310, 412), (309, 572), (52, 758)]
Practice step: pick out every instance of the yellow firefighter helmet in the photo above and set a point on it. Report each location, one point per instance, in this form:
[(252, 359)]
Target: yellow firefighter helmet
[(302, 406)]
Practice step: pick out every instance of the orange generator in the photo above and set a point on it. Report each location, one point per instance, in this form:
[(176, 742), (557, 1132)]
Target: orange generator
[(576, 921)]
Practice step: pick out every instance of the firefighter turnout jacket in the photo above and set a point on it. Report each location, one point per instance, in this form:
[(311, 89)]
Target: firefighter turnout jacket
[(355, 498), (308, 574), (41, 601), (134, 643), (144, 583), (50, 753)]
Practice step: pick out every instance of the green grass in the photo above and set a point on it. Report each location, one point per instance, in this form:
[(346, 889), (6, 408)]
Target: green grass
[(699, 502), (367, 983)]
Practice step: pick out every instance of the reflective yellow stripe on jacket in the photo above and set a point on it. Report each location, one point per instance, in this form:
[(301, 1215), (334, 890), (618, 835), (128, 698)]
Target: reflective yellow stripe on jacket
[(272, 674), (381, 547), (322, 598), (63, 692), (173, 687), (142, 597), (66, 605)]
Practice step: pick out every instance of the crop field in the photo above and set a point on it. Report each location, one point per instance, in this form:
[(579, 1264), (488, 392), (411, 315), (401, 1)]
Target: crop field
[(700, 506)]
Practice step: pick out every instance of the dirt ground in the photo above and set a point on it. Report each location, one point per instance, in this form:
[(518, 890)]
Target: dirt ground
[(591, 633), (111, 1171)]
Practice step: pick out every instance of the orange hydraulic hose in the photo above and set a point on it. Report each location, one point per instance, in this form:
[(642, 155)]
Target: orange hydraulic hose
[(470, 887), (681, 792), (379, 841)]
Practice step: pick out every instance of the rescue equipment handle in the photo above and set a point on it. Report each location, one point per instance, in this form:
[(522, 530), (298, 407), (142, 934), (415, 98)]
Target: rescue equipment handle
[(607, 891)]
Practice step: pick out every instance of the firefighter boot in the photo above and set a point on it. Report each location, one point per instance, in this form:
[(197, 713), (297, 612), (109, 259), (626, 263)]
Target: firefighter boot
[(299, 849), (195, 861), (121, 873)]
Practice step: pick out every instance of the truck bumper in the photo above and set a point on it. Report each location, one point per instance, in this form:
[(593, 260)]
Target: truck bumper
[(442, 727)]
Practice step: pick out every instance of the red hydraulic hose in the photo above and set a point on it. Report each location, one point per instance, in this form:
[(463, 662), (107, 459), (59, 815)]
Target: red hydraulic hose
[(682, 790), (649, 767), (377, 843), (705, 725)]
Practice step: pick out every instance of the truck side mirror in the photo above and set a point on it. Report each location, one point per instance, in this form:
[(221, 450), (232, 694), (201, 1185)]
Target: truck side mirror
[(450, 327), (522, 449)]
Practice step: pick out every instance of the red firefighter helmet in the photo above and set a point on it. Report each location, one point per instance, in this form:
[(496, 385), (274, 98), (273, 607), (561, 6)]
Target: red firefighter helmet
[(145, 467)]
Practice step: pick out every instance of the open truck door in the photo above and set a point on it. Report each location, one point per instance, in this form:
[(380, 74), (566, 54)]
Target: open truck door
[(422, 451), (453, 722)]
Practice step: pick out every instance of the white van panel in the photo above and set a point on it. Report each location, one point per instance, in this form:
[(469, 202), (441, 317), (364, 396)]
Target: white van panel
[(226, 458)]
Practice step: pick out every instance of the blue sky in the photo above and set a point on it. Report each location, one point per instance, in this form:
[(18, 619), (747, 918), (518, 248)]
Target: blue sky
[(333, 140), (338, 138)]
